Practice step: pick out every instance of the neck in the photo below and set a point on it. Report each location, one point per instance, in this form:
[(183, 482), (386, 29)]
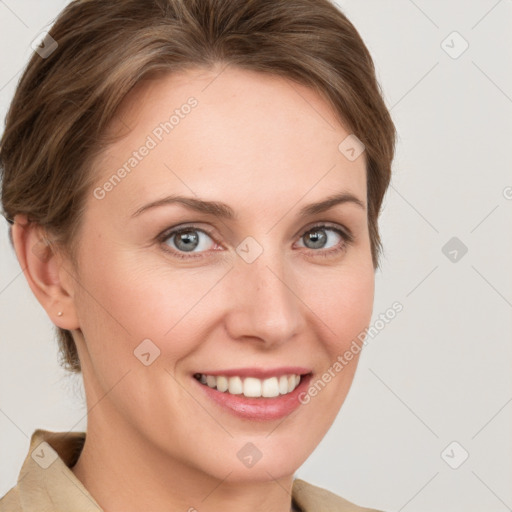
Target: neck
[(124, 471)]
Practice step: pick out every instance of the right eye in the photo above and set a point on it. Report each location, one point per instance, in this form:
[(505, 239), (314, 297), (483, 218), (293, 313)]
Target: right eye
[(186, 240)]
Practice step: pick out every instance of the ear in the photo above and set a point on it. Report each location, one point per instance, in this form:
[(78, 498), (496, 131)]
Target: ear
[(48, 273)]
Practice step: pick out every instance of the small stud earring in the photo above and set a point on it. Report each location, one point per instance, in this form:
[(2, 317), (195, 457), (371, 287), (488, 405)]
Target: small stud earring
[(59, 313)]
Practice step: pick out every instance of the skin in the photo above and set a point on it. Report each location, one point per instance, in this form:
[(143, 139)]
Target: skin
[(266, 147)]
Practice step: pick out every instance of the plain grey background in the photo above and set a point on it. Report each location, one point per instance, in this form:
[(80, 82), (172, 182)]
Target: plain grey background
[(435, 385)]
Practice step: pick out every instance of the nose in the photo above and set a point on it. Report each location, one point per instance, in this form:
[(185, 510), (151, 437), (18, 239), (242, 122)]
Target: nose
[(264, 300)]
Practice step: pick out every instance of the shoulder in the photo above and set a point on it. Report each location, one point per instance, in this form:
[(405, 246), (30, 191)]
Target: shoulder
[(45, 475), (11, 501), (311, 498)]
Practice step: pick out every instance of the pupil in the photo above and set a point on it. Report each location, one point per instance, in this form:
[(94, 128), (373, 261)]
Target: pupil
[(318, 238), (189, 238)]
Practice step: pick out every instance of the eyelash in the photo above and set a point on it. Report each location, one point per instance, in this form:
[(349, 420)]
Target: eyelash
[(347, 239)]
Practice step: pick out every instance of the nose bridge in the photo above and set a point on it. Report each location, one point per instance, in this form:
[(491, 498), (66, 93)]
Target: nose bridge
[(265, 305)]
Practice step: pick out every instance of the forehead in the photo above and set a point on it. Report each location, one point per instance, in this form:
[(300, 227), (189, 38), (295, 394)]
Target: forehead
[(240, 132)]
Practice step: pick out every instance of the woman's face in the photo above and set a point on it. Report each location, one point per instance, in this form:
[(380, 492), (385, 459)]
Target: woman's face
[(258, 293)]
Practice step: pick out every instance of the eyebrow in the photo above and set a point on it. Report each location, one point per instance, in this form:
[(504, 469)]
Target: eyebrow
[(222, 210)]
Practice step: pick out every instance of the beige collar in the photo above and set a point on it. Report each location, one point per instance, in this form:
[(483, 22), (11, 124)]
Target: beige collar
[(46, 482)]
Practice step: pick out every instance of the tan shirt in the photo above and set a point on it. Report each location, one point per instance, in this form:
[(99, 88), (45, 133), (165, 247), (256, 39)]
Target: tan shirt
[(47, 484)]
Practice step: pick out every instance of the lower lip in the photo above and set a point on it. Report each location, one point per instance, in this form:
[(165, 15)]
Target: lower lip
[(263, 409)]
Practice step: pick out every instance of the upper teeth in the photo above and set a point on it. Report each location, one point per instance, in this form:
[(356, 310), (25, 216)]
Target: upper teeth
[(251, 386)]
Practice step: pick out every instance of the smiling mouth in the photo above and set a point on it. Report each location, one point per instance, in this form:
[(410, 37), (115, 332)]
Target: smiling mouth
[(251, 387)]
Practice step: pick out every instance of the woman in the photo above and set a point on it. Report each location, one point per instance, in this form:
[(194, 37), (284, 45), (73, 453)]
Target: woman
[(198, 218)]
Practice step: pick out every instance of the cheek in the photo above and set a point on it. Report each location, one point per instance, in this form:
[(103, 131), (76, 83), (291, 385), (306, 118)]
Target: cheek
[(128, 301), (343, 304)]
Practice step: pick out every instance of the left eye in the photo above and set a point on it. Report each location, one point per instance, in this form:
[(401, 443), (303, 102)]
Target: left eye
[(318, 238)]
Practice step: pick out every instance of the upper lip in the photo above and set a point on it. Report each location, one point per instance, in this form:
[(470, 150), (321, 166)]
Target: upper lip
[(260, 373)]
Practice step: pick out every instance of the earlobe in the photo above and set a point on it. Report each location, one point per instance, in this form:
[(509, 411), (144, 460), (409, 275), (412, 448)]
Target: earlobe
[(46, 271)]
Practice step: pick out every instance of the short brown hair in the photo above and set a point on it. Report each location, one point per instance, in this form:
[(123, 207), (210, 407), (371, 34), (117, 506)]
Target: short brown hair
[(63, 103)]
